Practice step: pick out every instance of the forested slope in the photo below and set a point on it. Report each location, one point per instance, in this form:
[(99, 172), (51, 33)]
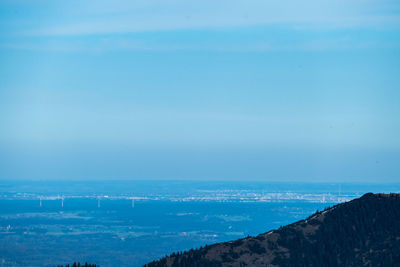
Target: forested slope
[(361, 232)]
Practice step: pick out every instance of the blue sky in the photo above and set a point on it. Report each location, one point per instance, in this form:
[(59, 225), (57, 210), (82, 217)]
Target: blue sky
[(212, 90)]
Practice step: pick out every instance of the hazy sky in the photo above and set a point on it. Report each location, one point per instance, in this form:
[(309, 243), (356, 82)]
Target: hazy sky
[(242, 90)]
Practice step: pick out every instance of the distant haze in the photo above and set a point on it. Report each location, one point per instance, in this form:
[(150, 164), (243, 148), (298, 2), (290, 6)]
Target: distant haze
[(200, 90)]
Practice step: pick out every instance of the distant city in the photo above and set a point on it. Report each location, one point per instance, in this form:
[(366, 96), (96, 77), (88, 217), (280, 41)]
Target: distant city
[(202, 195)]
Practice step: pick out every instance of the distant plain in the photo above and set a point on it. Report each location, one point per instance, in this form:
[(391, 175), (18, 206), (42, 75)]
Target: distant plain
[(133, 222)]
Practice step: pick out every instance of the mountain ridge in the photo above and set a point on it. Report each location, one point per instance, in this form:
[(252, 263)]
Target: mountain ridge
[(362, 232)]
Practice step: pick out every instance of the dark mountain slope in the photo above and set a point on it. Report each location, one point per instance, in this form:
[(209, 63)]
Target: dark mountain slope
[(361, 232)]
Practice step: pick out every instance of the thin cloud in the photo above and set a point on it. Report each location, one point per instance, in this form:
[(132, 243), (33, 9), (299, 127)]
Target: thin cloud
[(131, 17), (239, 43)]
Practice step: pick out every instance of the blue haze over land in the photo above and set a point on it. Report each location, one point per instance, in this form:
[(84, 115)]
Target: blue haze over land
[(228, 90), (129, 223)]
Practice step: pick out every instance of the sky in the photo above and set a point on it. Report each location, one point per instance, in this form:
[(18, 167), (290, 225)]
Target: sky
[(304, 91)]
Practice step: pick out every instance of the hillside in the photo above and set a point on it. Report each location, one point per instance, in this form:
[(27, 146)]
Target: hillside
[(361, 232)]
